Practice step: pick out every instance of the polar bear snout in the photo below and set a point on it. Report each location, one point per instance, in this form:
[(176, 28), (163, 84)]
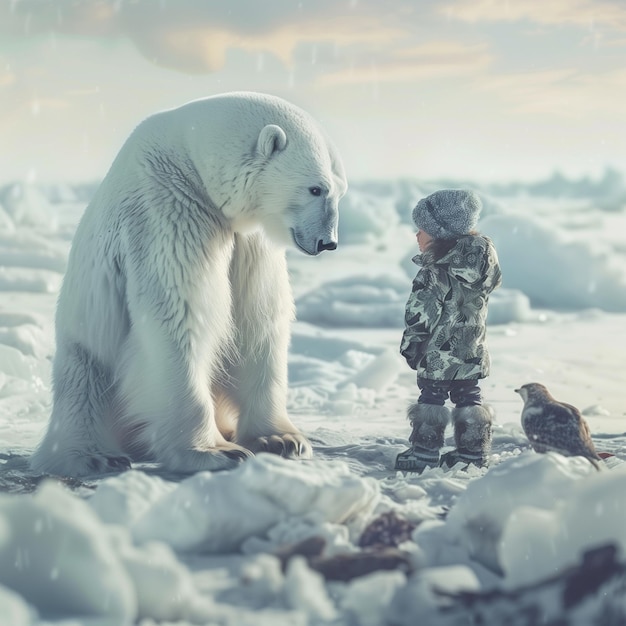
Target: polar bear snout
[(326, 245), (314, 229), (313, 245)]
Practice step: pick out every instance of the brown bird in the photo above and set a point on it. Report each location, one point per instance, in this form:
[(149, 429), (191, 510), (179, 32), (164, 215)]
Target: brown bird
[(555, 426)]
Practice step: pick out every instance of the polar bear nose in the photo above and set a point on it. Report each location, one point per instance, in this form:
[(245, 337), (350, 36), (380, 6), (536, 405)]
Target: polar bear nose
[(321, 245)]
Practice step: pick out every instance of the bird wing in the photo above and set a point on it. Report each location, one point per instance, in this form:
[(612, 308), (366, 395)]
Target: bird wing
[(585, 443), (558, 427)]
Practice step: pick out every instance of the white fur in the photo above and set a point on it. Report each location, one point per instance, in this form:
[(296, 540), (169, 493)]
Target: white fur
[(173, 322)]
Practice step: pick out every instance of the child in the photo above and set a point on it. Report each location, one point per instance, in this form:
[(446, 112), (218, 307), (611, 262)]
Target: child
[(444, 338)]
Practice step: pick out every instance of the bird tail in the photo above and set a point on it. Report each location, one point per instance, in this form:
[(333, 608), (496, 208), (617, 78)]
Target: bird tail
[(594, 463)]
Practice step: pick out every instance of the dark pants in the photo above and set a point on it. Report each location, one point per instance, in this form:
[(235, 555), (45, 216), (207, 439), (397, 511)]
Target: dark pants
[(461, 392)]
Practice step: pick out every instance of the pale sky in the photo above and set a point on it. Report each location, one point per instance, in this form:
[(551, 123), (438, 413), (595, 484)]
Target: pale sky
[(488, 90)]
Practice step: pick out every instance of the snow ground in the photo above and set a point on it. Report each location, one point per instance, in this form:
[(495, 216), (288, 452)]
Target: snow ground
[(144, 547)]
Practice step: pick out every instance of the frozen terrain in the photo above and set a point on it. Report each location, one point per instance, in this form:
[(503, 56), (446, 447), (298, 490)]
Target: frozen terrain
[(283, 543)]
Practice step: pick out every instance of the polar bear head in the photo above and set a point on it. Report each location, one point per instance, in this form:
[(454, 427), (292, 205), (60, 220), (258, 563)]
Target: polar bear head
[(263, 161), (298, 187)]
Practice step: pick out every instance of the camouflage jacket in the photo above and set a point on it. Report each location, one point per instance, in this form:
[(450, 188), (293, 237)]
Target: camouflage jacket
[(446, 313)]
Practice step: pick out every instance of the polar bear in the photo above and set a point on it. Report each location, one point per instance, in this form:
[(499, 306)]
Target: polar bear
[(173, 320)]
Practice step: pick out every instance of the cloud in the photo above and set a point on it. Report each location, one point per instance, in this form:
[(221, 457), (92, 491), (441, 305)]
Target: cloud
[(587, 13), (203, 49), (194, 36), (430, 60), (23, 18), (564, 93), (7, 76)]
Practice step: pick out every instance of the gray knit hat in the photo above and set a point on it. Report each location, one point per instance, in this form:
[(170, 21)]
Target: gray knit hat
[(448, 213)]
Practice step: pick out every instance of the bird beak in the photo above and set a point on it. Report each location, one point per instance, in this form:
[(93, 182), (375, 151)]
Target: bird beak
[(516, 390)]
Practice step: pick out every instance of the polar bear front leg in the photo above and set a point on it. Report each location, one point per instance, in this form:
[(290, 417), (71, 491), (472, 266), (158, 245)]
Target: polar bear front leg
[(263, 424), (166, 395), (179, 304), (263, 311)]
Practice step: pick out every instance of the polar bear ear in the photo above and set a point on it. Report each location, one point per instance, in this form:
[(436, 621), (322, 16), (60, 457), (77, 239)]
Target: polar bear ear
[(271, 139)]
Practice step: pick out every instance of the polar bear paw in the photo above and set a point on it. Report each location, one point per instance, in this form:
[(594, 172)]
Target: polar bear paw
[(104, 464), (289, 445), (80, 464), (223, 457)]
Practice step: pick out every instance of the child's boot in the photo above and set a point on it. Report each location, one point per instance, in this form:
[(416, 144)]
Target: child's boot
[(472, 435), (429, 422)]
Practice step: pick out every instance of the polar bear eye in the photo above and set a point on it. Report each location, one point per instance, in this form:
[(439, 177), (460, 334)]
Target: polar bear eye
[(315, 191)]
